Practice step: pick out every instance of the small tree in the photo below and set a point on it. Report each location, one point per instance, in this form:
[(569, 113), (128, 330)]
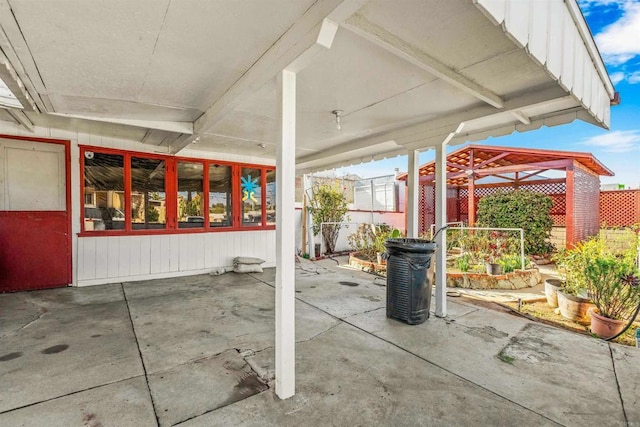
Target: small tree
[(520, 209), (328, 204)]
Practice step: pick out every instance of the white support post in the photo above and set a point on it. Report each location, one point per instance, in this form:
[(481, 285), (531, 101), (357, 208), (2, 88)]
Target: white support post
[(285, 237), (441, 221), (413, 185)]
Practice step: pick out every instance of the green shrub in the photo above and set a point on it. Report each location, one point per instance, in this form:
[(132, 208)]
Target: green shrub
[(608, 274), (369, 239), (520, 209), (328, 204)]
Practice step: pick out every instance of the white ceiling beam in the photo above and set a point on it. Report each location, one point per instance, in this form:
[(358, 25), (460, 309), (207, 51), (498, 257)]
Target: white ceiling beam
[(374, 33), (356, 157), (185, 128), (21, 118), (312, 33), (340, 150), (15, 84), (16, 51), (522, 118), (473, 118)]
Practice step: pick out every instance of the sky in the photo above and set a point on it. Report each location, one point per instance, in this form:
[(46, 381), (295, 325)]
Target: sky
[(615, 25)]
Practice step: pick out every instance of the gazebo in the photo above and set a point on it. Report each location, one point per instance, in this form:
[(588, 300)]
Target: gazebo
[(475, 171)]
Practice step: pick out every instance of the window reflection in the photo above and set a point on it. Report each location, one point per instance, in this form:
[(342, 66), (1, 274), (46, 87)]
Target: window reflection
[(103, 191), (220, 206), (271, 197), (148, 197), (190, 188), (251, 191)]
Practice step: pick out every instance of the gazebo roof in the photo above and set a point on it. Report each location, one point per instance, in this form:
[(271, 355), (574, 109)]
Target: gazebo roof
[(492, 160)]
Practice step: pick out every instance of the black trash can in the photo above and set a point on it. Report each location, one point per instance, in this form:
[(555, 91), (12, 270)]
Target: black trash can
[(408, 281)]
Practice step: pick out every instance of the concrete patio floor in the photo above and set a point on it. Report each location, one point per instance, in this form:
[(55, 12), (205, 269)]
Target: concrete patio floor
[(198, 351)]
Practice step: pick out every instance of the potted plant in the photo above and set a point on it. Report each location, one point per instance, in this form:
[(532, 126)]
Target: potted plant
[(551, 288), (573, 301), (613, 284), (500, 247)]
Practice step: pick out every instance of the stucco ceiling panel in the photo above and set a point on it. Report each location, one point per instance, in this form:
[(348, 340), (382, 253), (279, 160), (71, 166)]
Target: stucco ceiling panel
[(457, 34), (353, 75), (91, 48), (508, 73), (204, 47)]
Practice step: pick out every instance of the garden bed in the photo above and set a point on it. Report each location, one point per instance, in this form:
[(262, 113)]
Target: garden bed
[(365, 265), (517, 279)]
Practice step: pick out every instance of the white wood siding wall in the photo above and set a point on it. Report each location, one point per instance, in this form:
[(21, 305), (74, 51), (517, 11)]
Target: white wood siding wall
[(112, 259), (130, 258)]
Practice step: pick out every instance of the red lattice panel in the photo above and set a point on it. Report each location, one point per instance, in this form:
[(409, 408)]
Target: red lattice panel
[(427, 207), (620, 208), (586, 204)]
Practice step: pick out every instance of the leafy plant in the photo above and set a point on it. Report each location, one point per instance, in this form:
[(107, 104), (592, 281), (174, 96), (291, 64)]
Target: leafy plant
[(369, 239), (463, 263), (520, 209), (363, 241), (510, 263), (328, 205), (608, 275), (613, 286)]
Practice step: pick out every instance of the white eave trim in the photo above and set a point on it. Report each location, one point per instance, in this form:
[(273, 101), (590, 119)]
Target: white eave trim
[(555, 35)]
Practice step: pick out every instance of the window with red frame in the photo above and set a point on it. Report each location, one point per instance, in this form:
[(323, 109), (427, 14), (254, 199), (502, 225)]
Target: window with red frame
[(130, 193)]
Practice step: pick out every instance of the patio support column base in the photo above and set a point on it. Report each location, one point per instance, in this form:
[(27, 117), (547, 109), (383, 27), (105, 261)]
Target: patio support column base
[(413, 186), (285, 237), (441, 221)]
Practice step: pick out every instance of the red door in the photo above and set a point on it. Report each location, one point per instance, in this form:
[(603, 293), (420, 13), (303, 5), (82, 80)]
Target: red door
[(35, 243)]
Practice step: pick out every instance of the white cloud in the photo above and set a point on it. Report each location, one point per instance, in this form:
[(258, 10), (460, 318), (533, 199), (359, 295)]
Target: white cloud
[(620, 41), (617, 77), (587, 5), (620, 141), (634, 78)]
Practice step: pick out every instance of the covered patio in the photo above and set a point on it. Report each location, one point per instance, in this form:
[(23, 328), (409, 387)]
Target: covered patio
[(199, 351), (241, 87)]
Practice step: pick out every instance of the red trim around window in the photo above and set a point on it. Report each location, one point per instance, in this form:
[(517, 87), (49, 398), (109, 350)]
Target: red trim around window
[(171, 194)]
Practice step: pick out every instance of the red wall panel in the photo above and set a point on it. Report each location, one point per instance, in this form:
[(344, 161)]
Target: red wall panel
[(34, 250)]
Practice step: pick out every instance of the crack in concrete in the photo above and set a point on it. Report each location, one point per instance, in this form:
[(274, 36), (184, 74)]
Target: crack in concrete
[(70, 394), (464, 314), (26, 325), (615, 375), (267, 384), (144, 368)]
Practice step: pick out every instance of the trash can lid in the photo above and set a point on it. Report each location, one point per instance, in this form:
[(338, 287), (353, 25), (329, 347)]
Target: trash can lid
[(411, 245)]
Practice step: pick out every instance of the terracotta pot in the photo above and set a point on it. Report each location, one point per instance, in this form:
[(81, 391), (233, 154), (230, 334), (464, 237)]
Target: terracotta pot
[(551, 288), (605, 327), (574, 308), (493, 269)]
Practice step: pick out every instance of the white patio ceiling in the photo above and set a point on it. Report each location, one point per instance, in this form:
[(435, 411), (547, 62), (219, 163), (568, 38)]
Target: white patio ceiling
[(406, 73)]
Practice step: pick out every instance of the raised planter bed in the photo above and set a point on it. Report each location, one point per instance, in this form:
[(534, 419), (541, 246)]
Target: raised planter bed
[(518, 279), (364, 265)]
